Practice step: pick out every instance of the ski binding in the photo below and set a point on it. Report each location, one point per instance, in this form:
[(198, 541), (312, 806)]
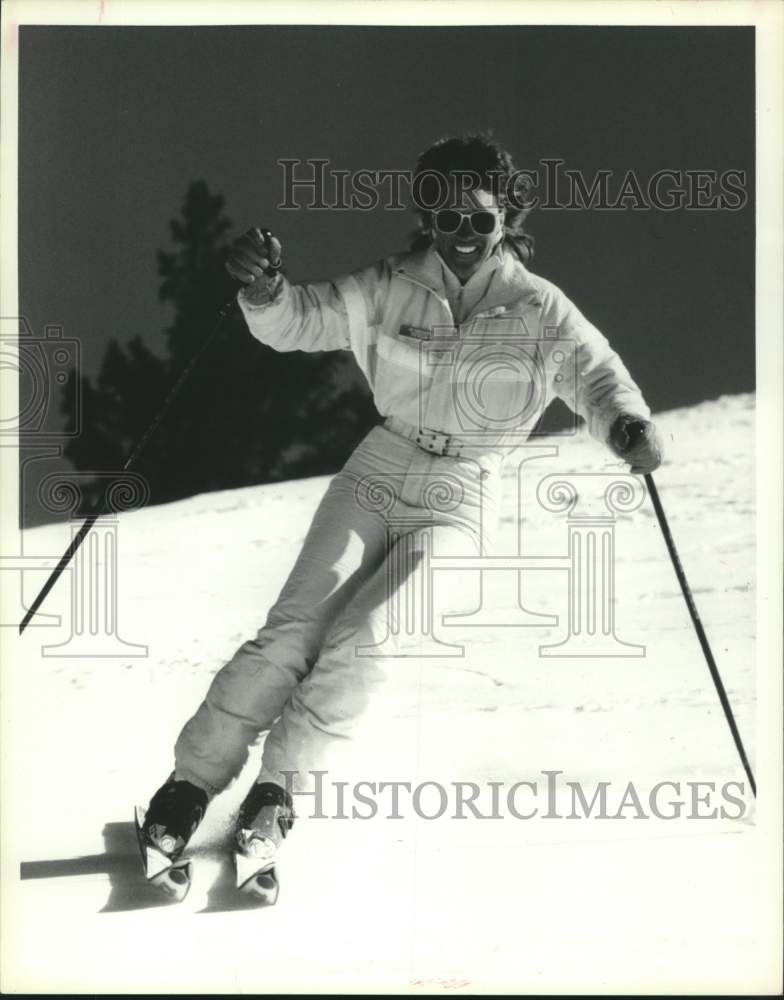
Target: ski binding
[(169, 874)]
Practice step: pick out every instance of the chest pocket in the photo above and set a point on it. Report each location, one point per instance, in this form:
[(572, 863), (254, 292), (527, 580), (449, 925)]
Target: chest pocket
[(406, 350)]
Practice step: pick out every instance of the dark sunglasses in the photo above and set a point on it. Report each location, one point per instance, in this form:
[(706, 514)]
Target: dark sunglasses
[(449, 220)]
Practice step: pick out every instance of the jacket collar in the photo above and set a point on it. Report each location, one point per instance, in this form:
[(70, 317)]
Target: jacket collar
[(510, 280)]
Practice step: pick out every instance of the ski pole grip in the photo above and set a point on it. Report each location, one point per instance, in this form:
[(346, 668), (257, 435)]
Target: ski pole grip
[(274, 266)]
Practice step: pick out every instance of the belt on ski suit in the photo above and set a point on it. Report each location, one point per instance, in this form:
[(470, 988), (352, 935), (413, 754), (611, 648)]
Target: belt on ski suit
[(432, 441)]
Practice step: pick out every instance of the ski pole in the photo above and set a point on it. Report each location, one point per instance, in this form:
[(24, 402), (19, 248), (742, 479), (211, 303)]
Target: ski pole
[(141, 444), (695, 617)]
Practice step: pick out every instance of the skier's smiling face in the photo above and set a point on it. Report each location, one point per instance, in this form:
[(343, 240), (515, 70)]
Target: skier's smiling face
[(467, 242)]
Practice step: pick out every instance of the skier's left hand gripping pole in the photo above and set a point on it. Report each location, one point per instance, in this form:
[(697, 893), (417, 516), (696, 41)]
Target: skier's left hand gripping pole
[(271, 269)]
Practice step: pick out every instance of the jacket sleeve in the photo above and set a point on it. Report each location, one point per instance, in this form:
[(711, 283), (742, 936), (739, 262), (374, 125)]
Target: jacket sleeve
[(596, 384), (319, 316), (308, 317)]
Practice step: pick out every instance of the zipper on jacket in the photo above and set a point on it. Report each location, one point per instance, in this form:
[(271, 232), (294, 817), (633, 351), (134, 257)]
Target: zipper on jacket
[(489, 313), (444, 302)]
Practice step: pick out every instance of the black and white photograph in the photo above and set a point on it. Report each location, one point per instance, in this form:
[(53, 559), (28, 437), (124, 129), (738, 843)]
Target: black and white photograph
[(391, 443)]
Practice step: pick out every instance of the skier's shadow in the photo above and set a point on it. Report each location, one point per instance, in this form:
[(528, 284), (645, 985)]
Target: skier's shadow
[(120, 861)]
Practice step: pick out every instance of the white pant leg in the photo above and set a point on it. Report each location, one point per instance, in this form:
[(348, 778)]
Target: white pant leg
[(336, 597), (326, 709), (344, 545)]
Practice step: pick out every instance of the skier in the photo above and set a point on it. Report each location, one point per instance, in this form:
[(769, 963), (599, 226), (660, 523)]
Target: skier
[(300, 679)]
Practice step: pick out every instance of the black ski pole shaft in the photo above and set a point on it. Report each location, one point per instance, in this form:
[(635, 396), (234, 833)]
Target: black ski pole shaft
[(130, 461), (695, 617)]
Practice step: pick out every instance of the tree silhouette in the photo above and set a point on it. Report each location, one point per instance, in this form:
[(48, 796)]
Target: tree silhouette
[(247, 414)]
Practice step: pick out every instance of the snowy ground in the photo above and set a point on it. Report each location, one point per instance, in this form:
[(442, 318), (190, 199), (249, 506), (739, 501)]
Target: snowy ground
[(407, 905)]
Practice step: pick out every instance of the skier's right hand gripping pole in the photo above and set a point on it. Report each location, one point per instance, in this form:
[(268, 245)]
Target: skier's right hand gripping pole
[(255, 260)]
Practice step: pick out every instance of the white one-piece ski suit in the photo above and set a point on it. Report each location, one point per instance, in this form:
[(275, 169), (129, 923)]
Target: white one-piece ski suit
[(460, 374)]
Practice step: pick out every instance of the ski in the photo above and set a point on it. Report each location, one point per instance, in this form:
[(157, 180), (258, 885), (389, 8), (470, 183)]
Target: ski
[(257, 878)]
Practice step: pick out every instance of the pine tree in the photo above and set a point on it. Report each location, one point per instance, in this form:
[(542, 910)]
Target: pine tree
[(247, 413)]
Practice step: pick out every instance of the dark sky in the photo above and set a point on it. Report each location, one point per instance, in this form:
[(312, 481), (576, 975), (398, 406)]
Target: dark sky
[(115, 123)]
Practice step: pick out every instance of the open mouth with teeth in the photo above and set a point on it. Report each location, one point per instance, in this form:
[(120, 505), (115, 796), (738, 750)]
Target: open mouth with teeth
[(465, 249)]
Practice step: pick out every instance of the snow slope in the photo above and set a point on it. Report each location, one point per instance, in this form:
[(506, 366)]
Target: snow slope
[(408, 905)]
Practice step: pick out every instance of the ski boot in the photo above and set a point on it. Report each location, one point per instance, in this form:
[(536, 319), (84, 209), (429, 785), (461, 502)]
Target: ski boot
[(265, 818), (174, 812)]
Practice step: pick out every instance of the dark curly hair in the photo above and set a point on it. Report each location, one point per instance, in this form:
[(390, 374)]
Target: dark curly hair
[(487, 165)]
